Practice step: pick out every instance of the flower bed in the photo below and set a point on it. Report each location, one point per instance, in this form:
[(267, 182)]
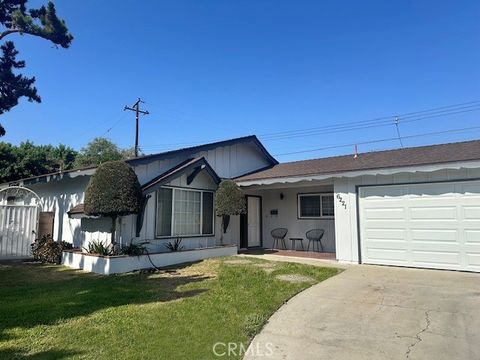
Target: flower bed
[(107, 265)]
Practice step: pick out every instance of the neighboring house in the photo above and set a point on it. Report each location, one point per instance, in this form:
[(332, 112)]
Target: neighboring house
[(407, 207)]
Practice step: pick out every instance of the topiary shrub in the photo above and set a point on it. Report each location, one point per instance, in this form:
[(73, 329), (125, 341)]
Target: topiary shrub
[(113, 191), (229, 200), (48, 250)]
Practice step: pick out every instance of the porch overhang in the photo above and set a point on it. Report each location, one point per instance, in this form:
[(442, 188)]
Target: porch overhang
[(307, 178)]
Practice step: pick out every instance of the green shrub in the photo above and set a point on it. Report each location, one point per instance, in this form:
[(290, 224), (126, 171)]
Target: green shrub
[(113, 191), (229, 200), (133, 250), (48, 250), (97, 247)]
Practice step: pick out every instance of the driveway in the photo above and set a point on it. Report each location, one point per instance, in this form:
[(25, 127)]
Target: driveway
[(373, 312)]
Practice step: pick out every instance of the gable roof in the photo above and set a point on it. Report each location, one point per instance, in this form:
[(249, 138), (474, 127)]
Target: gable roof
[(148, 158), (178, 170), (414, 156), (205, 147)]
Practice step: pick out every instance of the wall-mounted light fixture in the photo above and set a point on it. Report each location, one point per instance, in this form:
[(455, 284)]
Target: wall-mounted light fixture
[(281, 196)]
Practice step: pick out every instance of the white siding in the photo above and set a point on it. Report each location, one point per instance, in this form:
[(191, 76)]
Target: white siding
[(60, 196), (287, 216), (346, 225)]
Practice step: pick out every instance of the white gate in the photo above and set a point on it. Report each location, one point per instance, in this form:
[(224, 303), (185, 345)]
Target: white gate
[(19, 212)]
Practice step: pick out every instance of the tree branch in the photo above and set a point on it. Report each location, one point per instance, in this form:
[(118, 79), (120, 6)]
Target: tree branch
[(8, 32)]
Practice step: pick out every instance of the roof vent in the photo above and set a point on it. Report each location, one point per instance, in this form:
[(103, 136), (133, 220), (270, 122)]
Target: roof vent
[(356, 152)]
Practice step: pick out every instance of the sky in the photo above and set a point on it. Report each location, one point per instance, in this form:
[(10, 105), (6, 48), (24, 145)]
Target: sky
[(217, 69)]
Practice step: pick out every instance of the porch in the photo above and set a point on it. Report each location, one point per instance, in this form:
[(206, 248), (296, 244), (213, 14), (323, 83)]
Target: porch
[(304, 210)]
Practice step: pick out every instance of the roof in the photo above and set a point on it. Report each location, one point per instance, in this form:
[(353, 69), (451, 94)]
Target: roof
[(196, 163), (77, 209), (414, 156), (204, 147), (153, 157)]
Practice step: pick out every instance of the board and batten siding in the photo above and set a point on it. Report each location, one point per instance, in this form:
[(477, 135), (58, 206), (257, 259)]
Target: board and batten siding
[(60, 199), (59, 196), (346, 219)]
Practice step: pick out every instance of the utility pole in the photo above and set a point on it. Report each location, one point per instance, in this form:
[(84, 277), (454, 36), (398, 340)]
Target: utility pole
[(136, 108)]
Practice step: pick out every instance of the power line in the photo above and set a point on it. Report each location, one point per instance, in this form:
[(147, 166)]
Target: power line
[(366, 125), (381, 140), (355, 125)]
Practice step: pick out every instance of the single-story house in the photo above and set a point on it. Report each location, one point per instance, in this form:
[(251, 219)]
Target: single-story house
[(416, 206)]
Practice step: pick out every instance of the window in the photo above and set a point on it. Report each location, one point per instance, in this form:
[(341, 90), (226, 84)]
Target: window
[(314, 206), (184, 212)]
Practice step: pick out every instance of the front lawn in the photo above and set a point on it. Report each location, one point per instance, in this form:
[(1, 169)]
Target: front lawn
[(51, 312)]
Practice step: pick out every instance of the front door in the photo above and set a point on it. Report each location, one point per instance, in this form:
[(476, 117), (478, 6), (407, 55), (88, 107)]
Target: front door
[(254, 221)]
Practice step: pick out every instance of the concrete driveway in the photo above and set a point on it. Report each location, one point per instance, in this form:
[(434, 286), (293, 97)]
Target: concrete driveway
[(373, 312)]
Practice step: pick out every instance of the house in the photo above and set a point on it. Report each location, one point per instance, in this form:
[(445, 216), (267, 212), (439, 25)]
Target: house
[(179, 186), (415, 207)]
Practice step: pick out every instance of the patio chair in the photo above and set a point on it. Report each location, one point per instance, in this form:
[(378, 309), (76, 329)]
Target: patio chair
[(316, 236), (278, 235)]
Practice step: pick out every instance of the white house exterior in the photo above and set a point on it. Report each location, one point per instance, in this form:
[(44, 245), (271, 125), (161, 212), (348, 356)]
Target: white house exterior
[(63, 193), (415, 207)]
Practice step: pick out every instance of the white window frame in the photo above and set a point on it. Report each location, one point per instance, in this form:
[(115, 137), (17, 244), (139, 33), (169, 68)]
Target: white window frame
[(201, 191), (299, 196)]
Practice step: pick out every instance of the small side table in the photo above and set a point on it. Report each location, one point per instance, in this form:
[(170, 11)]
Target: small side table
[(294, 242)]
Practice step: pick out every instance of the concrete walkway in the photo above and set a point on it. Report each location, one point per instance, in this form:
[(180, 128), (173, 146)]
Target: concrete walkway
[(373, 312)]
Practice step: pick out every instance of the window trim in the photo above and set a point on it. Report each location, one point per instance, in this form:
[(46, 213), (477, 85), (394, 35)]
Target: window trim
[(201, 191), (322, 217)]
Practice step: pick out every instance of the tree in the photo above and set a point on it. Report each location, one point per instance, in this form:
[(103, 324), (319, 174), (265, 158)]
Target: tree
[(98, 151), (13, 87), (113, 191), (27, 159), (42, 22), (229, 200)]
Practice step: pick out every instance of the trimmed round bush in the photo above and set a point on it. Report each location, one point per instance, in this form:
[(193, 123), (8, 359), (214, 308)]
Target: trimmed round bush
[(229, 200), (113, 191)]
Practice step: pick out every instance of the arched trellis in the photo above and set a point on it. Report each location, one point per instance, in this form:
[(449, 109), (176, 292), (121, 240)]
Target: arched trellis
[(19, 220)]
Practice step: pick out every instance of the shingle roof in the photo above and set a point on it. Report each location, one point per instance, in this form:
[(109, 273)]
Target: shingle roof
[(414, 156)]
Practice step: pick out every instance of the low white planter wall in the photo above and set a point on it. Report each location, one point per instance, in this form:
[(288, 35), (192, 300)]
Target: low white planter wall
[(107, 265)]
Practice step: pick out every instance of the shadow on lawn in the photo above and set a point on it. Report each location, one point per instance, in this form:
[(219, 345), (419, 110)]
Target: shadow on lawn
[(35, 294)]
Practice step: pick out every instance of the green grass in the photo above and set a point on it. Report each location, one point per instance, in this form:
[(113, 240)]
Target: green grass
[(51, 312)]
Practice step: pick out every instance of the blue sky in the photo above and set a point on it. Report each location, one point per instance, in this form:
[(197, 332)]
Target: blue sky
[(210, 70)]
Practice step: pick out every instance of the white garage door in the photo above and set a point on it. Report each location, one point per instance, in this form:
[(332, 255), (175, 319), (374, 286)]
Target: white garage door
[(432, 225)]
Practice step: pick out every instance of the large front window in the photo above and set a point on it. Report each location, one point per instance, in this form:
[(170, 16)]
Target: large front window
[(184, 212)]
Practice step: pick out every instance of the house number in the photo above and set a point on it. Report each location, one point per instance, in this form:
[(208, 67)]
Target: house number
[(340, 199)]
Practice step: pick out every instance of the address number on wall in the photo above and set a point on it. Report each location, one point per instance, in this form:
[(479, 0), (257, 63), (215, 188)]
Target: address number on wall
[(340, 199)]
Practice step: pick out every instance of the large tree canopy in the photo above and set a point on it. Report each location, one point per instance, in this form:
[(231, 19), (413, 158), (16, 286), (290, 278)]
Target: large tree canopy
[(101, 150), (42, 22), (113, 191), (27, 159)]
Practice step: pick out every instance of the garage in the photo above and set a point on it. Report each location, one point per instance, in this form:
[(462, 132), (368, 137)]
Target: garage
[(427, 225)]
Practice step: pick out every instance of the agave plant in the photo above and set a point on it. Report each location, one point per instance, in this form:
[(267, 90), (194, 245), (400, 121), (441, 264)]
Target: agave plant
[(175, 246), (99, 248)]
